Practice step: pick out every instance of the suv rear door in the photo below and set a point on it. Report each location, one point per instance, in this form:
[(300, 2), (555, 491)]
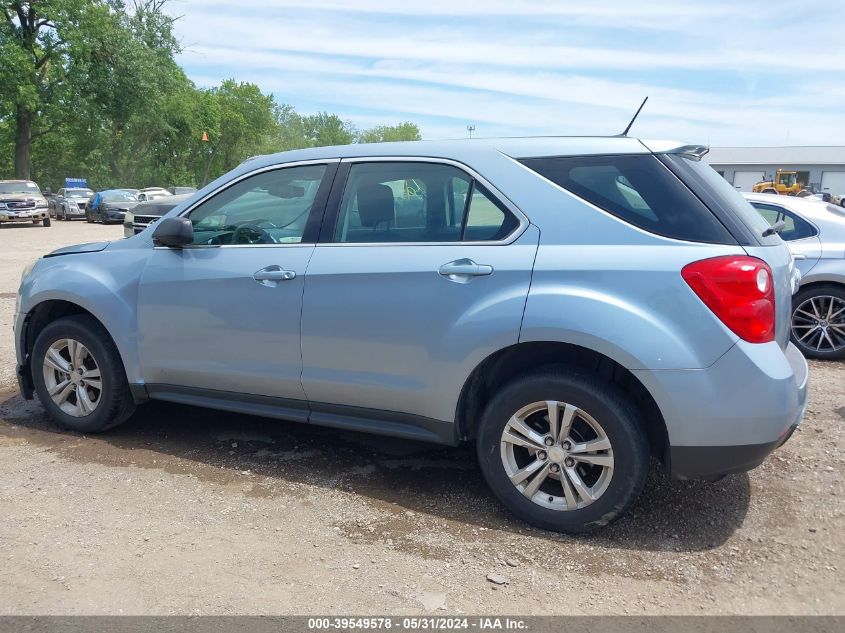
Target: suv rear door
[(422, 270)]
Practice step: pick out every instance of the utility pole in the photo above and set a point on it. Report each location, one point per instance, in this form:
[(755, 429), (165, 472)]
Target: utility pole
[(470, 129)]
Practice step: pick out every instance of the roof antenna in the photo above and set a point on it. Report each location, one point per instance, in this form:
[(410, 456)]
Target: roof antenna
[(636, 114)]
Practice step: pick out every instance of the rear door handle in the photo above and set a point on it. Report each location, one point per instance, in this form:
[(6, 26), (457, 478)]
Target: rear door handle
[(799, 256), (272, 275), (463, 269)]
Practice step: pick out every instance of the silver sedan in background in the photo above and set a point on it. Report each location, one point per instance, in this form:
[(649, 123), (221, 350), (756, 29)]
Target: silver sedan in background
[(815, 232)]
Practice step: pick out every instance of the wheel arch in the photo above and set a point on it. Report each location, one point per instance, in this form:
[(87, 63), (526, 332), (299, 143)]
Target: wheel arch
[(507, 363), (50, 309), (820, 281)]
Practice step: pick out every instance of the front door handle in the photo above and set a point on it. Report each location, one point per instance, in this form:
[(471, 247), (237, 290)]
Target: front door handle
[(464, 269), (272, 275)]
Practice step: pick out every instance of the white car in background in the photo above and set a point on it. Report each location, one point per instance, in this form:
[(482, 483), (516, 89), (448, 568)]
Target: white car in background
[(152, 193), (815, 232)]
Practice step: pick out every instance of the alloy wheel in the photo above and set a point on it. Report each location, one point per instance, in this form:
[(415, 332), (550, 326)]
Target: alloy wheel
[(557, 455), (72, 377), (818, 323)]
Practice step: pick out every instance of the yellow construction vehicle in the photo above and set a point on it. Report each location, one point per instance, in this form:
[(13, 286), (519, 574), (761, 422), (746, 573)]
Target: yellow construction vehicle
[(785, 183)]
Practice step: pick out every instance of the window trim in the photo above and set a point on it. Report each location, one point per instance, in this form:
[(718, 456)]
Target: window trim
[(332, 215), (315, 217)]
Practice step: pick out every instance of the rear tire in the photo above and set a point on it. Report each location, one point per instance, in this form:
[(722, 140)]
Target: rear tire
[(90, 391), (606, 481), (818, 322)]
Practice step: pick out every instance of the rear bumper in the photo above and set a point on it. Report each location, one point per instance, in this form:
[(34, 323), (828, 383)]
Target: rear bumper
[(712, 462), (729, 417)]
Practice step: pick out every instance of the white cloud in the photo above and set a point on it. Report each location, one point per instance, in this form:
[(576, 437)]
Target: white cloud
[(713, 71)]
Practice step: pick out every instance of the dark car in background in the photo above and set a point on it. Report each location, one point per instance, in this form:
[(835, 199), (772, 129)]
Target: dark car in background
[(145, 213), (70, 202), (110, 205)]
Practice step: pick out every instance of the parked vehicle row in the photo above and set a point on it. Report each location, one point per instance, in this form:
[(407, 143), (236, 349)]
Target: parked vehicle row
[(570, 306), (22, 201), (110, 205)]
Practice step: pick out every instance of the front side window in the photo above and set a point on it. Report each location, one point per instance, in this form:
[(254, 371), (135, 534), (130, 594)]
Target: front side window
[(271, 207), (638, 189), (418, 202), (795, 229)]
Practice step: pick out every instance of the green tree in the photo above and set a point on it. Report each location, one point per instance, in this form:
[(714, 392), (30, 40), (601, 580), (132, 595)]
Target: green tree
[(323, 129), (406, 131), (35, 40), (91, 88), (241, 121)]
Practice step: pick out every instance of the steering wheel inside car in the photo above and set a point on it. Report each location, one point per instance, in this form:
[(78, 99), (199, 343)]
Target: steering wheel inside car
[(251, 234)]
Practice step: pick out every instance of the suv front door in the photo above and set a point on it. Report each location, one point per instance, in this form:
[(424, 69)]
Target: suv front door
[(420, 273), (223, 314)]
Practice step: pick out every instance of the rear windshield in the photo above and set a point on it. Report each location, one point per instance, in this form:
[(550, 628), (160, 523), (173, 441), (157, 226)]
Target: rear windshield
[(638, 189), (119, 196), (701, 177)]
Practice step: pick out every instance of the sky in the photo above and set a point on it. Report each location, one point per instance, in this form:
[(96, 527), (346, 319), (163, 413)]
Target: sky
[(723, 73)]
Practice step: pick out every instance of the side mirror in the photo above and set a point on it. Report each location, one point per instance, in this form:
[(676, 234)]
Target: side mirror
[(173, 232)]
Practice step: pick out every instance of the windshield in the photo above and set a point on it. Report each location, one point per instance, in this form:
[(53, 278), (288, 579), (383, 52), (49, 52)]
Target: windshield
[(79, 193), (119, 196), (19, 187)]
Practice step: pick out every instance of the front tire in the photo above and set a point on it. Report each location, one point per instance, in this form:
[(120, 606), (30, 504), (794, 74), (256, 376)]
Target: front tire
[(45, 222), (818, 322), (79, 376), (563, 450)]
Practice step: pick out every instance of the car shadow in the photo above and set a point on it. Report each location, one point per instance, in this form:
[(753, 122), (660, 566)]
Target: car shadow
[(395, 474)]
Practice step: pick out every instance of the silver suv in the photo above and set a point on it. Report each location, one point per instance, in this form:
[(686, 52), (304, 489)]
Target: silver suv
[(571, 306)]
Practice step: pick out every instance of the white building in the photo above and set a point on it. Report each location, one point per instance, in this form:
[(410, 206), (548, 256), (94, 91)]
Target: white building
[(820, 168)]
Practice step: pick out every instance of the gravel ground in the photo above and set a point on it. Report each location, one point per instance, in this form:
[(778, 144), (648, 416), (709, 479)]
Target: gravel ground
[(188, 511)]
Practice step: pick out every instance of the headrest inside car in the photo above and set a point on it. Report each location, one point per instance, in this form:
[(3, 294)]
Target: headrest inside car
[(375, 205)]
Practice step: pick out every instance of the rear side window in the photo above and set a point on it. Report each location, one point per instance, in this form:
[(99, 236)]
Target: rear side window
[(795, 228), (418, 202), (638, 189)]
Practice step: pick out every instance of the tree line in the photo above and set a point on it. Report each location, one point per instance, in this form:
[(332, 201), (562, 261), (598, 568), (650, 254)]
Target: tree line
[(91, 88)]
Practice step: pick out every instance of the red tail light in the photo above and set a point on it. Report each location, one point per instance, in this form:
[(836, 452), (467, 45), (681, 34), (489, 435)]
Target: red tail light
[(740, 291)]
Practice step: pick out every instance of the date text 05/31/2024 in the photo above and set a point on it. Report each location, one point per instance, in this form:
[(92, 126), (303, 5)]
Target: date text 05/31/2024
[(417, 623)]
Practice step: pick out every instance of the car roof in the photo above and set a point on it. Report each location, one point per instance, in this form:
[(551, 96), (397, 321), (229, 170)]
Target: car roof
[(515, 147), (8, 182)]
